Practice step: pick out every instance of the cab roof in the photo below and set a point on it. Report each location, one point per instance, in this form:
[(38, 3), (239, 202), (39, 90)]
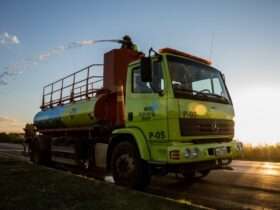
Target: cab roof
[(186, 55)]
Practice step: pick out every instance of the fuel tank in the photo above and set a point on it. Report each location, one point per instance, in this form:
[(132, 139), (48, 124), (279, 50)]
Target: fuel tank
[(77, 114)]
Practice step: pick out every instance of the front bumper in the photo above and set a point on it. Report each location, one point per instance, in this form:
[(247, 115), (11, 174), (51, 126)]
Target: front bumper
[(182, 152)]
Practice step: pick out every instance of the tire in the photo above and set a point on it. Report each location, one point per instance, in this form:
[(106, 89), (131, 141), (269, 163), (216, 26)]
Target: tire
[(128, 168), (41, 151), (35, 154)]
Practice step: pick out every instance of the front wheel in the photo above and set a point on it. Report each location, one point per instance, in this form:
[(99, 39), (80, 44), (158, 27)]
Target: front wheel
[(128, 168)]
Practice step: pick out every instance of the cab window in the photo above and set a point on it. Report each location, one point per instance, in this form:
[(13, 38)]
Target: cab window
[(148, 87)]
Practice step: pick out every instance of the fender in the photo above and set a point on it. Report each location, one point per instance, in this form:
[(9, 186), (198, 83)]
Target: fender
[(139, 138)]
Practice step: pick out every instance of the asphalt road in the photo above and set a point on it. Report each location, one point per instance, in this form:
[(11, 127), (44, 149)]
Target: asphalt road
[(251, 185)]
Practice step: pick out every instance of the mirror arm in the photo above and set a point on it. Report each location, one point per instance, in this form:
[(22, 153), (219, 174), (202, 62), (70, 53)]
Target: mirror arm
[(152, 50), (157, 55), (160, 92)]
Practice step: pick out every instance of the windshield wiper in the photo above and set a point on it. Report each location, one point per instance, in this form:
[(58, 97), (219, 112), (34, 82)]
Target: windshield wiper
[(218, 96), (178, 87), (201, 93)]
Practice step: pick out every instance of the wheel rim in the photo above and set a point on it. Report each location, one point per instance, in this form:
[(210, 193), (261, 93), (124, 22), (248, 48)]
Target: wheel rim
[(125, 165)]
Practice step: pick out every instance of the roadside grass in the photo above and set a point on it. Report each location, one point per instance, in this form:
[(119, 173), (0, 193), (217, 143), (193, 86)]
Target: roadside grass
[(269, 153), (26, 186)]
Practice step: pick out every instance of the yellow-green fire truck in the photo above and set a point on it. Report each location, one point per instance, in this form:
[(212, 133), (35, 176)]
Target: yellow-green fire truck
[(135, 116)]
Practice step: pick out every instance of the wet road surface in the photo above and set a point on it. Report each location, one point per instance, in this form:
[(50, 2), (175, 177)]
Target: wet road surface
[(251, 185)]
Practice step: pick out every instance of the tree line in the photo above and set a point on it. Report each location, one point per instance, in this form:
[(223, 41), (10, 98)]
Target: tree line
[(270, 153)]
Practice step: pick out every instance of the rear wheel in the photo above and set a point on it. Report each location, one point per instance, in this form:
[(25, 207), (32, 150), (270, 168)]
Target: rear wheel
[(128, 168), (41, 150), (35, 152)]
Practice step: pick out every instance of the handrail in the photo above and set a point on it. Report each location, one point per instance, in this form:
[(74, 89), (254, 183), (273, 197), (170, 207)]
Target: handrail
[(81, 87)]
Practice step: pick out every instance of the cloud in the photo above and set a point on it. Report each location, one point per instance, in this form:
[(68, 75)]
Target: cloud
[(6, 38), (44, 56), (3, 82), (10, 125), (6, 119)]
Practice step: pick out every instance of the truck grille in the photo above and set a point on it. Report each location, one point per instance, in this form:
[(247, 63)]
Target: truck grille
[(201, 127)]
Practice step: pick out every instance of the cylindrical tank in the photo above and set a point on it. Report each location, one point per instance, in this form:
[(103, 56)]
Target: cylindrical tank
[(102, 108), (76, 114)]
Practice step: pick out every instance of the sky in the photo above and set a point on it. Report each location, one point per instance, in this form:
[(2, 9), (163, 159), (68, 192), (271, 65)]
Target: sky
[(240, 36)]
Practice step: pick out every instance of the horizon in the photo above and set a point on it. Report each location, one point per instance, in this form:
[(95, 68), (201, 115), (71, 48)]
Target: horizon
[(241, 38)]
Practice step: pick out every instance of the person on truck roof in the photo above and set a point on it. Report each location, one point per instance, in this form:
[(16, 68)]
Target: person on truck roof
[(128, 44)]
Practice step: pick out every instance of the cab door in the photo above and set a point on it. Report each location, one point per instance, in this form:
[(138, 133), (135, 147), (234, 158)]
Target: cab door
[(146, 103)]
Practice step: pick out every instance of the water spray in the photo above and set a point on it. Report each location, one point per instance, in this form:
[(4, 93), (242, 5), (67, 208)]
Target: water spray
[(20, 67)]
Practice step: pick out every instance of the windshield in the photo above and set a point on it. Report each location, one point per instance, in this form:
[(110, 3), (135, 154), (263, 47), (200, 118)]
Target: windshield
[(195, 80)]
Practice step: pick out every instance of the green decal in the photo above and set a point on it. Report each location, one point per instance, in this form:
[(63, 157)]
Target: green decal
[(189, 114), (157, 135), (148, 113)]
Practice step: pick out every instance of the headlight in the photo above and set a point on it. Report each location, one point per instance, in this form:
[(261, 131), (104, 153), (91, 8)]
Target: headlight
[(191, 153), (195, 152), (187, 153), (239, 146)]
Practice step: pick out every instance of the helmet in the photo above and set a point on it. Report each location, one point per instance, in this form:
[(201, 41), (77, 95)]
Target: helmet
[(127, 38)]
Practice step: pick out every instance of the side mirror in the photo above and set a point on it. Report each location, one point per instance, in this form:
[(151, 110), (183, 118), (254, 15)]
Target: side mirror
[(146, 69)]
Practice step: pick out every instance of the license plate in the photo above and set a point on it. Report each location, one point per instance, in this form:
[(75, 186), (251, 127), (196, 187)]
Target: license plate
[(221, 151)]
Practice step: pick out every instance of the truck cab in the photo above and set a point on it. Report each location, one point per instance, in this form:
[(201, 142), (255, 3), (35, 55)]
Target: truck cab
[(184, 113)]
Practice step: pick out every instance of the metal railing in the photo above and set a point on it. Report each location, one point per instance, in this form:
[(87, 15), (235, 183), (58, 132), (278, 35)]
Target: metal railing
[(79, 85)]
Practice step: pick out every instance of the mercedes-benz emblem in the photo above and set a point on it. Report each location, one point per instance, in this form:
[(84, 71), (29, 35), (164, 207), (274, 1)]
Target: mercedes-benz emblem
[(214, 126)]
